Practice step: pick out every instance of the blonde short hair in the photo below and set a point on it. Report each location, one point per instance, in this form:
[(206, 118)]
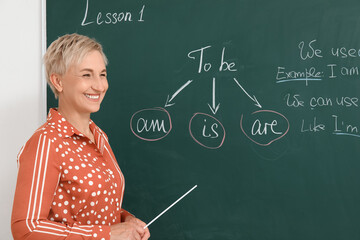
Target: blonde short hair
[(67, 50)]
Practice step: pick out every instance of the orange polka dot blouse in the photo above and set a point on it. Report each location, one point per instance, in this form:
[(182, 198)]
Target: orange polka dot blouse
[(68, 187)]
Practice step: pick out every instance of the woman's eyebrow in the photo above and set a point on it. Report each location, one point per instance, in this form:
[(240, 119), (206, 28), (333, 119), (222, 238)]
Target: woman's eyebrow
[(86, 70), (90, 70)]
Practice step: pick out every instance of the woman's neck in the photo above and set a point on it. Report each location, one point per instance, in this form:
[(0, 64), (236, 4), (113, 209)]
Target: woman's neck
[(78, 120)]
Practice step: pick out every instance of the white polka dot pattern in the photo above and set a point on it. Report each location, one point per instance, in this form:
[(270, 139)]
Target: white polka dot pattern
[(72, 185)]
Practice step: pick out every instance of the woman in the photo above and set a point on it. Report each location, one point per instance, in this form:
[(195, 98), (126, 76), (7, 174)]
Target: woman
[(69, 184)]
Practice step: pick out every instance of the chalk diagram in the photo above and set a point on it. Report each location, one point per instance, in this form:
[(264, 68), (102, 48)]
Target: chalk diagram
[(262, 127)]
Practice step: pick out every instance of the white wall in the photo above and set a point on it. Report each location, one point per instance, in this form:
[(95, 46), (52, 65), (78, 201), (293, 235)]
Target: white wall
[(22, 103)]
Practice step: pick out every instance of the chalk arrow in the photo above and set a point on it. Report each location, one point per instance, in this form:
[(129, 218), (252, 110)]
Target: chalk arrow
[(214, 108), (253, 98), (169, 99)]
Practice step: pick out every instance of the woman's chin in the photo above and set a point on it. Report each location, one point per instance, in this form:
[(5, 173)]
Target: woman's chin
[(91, 109), (95, 109)]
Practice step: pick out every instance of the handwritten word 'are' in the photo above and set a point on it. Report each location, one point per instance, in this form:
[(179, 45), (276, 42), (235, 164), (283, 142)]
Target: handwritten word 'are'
[(206, 66), (264, 127)]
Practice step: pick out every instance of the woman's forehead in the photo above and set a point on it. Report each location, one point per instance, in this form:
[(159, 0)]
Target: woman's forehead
[(93, 59)]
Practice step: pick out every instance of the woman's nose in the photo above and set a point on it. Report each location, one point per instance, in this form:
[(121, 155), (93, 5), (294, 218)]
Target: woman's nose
[(99, 83)]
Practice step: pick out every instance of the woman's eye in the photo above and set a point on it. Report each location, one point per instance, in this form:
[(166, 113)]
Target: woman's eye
[(86, 75), (103, 75)]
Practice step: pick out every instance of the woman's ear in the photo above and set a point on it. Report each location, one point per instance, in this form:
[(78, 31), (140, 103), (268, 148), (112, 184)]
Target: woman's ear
[(56, 81)]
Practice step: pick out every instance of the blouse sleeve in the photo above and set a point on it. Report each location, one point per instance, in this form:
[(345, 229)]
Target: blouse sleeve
[(125, 214), (38, 178)]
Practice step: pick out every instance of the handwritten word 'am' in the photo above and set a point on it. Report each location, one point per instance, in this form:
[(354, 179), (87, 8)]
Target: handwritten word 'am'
[(151, 124), (111, 18)]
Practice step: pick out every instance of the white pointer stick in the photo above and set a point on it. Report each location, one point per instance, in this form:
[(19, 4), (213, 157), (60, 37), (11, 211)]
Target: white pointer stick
[(169, 207)]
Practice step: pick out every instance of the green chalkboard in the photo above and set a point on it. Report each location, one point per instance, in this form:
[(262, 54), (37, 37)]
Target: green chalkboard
[(256, 102)]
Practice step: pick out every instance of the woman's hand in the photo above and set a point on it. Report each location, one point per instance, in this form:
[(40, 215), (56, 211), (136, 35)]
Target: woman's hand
[(126, 231), (131, 229), (131, 219)]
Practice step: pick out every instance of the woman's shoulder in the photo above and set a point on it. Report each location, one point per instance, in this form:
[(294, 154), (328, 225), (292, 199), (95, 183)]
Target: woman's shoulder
[(47, 129), (36, 141), (44, 132)]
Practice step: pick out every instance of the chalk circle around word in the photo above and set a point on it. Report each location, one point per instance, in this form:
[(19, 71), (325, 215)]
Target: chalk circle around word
[(207, 131), (264, 127), (151, 124)]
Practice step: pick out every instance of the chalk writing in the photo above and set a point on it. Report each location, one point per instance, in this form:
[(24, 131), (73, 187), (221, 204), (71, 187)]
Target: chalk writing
[(267, 126), (343, 52), (342, 71), (343, 128), (154, 125), (297, 101), (310, 52), (313, 126), (207, 131), (338, 126), (206, 66), (151, 124), (306, 75), (347, 101), (112, 17), (293, 100)]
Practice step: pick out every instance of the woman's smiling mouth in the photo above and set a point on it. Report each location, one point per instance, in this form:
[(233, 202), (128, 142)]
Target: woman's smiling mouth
[(92, 96)]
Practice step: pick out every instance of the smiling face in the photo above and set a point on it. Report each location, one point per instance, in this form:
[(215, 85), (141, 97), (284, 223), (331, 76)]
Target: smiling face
[(82, 88)]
